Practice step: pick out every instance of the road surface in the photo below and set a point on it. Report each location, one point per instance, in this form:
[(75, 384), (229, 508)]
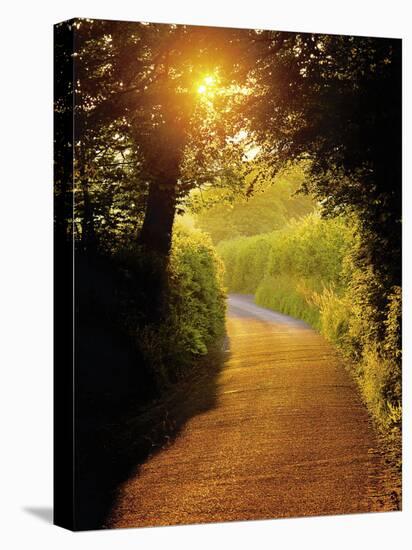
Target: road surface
[(288, 437)]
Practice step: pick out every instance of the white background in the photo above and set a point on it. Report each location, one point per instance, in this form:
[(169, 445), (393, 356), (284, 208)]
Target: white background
[(26, 272)]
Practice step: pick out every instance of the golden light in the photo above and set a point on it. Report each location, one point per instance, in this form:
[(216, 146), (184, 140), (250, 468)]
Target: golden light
[(210, 80), (208, 85)]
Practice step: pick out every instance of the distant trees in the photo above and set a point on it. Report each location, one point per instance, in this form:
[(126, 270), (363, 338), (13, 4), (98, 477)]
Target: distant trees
[(225, 214)]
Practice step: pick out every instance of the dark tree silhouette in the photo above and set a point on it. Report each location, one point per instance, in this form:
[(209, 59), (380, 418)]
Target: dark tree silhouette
[(336, 101)]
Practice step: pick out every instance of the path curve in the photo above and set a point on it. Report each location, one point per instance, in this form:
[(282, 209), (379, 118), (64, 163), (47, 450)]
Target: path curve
[(288, 437)]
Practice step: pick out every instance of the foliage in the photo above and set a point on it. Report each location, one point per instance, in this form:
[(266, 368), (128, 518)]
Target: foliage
[(129, 90), (191, 311), (311, 248), (270, 207), (336, 101), (196, 283), (246, 258), (144, 139), (143, 135), (313, 270), (195, 313)]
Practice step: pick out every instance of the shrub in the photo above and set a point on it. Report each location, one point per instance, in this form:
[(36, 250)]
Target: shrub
[(334, 315), (284, 294), (246, 258), (197, 299), (193, 309)]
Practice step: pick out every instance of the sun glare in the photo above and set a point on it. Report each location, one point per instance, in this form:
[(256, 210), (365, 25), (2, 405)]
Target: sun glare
[(208, 85)]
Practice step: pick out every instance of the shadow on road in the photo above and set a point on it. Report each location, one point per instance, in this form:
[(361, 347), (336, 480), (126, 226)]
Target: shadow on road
[(112, 446)]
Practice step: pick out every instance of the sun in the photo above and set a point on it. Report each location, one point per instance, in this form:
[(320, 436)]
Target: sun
[(208, 84), (210, 80)]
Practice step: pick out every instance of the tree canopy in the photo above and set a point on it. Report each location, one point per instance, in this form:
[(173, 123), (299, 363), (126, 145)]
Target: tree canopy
[(336, 101), (162, 109)]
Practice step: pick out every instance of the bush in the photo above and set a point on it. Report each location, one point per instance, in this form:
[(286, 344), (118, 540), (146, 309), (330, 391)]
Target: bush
[(193, 314), (246, 258), (273, 203), (286, 295), (196, 292), (334, 316)]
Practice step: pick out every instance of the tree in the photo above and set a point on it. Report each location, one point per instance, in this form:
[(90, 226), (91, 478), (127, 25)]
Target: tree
[(331, 100), (336, 101), (136, 96), (227, 213)]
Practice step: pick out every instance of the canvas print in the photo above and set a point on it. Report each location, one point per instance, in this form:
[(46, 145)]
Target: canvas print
[(227, 274)]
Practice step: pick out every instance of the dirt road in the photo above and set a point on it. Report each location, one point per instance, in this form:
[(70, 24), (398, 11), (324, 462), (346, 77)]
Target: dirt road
[(288, 437)]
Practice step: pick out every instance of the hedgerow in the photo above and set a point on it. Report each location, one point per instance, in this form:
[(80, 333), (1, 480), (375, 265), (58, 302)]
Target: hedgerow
[(193, 316)]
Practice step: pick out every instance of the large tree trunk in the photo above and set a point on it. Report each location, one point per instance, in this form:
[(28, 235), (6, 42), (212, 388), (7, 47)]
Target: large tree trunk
[(163, 159), (156, 233), (156, 238)]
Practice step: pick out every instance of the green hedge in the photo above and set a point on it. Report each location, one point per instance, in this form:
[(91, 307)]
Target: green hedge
[(194, 309)]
